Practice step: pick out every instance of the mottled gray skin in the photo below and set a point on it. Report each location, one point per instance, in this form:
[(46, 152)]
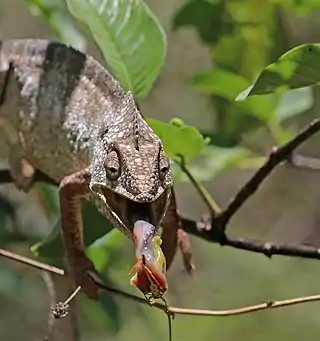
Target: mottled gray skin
[(66, 116), (65, 112)]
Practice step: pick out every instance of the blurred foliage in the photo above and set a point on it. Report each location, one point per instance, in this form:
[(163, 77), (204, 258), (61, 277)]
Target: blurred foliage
[(243, 38), (298, 68), (55, 14)]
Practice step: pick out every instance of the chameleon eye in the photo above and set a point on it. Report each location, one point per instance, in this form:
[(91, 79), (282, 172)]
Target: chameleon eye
[(112, 165)]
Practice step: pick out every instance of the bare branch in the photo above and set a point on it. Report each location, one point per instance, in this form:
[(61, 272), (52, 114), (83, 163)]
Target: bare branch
[(204, 194), (46, 276), (244, 310), (61, 309), (213, 228), (214, 231), (250, 244), (277, 156), (31, 262), (164, 307)]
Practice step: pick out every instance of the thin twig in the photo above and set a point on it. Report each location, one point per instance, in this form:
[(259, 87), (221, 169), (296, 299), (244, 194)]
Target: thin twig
[(277, 156), (245, 310), (168, 309), (72, 296), (254, 245), (215, 230), (31, 262), (61, 309), (205, 195), (46, 276)]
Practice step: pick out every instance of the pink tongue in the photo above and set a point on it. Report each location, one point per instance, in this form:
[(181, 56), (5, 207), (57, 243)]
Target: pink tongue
[(143, 233)]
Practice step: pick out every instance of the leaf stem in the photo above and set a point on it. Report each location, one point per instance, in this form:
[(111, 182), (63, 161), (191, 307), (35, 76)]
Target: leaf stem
[(205, 195)]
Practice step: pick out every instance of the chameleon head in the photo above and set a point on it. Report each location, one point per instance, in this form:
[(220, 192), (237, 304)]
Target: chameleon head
[(131, 176)]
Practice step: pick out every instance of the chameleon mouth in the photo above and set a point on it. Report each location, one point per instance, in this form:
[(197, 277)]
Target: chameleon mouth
[(125, 212)]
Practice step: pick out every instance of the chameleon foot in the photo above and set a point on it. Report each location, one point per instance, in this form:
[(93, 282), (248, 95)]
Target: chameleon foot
[(82, 272)]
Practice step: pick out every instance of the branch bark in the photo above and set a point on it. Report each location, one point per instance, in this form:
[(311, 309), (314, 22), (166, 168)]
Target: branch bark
[(167, 309), (215, 230)]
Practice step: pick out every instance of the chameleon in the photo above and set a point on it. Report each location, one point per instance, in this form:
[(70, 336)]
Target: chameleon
[(65, 117), (150, 277)]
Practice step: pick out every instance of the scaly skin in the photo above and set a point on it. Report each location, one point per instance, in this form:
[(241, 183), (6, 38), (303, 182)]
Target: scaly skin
[(66, 116)]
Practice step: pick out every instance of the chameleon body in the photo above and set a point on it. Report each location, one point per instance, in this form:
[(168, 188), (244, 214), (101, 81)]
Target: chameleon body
[(66, 116)]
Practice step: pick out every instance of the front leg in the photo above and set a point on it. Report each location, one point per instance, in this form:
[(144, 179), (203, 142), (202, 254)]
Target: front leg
[(71, 189), (174, 236)]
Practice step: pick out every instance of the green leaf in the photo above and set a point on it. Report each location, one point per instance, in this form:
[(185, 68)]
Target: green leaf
[(105, 315), (227, 84), (130, 38), (297, 68), (102, 243), (220, 139), (219, 82), (105, 250), (205, 16), (110, 307), (178, 138), (94, 227), (55, 14)]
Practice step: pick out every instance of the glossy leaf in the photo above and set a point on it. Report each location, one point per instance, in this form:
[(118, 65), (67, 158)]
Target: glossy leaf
[(54, 13), (109, 305), (226, 84), (178, 138), (94, 227), (104, 251), (297, 68), (130, 38)]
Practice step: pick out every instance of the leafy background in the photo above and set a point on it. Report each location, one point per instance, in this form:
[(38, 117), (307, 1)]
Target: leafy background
[(186, 63)]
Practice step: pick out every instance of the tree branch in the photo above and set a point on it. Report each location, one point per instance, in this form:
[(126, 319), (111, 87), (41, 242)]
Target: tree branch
[(214, 230), (277, 156), (250, 244), (167, 309), (202, 191), (46, 276)]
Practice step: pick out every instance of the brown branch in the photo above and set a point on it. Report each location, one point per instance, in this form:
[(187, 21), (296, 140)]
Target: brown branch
[(250, 244), (163, 307), (277, 156), (202, 191), (214, 231), (46, 276), (214, 228)]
